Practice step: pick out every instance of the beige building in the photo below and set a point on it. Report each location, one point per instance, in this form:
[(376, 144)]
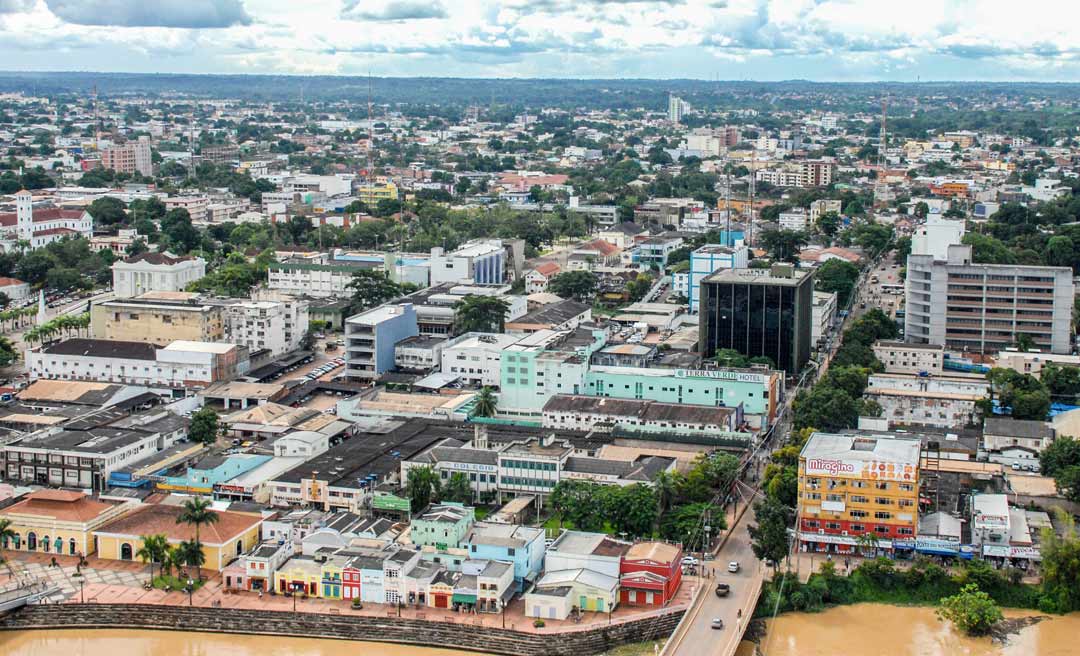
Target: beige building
[(158, 318), (903, 358)]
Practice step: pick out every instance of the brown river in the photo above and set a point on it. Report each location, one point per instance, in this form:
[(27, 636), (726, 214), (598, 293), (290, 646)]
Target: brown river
[(880, 630), (122, 642), (859, 630)]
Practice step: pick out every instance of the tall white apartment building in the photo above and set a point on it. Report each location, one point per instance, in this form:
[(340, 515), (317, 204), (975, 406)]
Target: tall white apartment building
[(986, 308)]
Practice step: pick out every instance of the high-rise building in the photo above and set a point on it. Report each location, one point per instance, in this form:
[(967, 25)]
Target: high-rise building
[(816, 173), (852, 485), (677, 108), (986, 308), (132, 157), (759, 312)]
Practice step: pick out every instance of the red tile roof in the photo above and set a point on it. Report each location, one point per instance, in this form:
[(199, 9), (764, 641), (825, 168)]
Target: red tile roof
[(9, 219), (161, 518)]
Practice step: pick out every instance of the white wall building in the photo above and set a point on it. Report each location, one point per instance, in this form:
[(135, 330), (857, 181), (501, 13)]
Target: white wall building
[(476, 357), (902, 358), (940, 401), (479, 261), (824, 314), (41, 226), (795, 219), (265, 325), (155, 272)]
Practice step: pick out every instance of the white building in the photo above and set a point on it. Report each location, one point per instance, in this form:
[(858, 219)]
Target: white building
[(476, 357), (155, 272), (824, 314), (820, 208), (939, 401), (41, 226), (677, 108), (197, 206), (479, 261), (180, 365), (936, 235), (266, 325), (795, 219), (985, 308), (903, 358)]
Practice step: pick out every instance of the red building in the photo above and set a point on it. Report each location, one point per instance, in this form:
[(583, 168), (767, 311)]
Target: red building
[(650, 574)]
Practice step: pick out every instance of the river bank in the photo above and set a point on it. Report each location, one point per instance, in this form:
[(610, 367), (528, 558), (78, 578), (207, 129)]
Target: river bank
[(462, 635), (869, 629)]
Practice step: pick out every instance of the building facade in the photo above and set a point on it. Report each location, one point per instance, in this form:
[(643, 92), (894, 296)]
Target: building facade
[(370, 338), (759, 312), (987, 308), (706, 261), (155, 272), (858, 493)]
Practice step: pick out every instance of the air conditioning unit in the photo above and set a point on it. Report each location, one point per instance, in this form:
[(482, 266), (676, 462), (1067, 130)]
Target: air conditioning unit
[(844, 533), (821, 531)]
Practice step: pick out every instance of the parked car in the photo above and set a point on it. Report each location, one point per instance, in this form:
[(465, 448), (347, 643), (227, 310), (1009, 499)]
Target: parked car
[(690, 560), (723, 589), (733, 566), (717, 623)]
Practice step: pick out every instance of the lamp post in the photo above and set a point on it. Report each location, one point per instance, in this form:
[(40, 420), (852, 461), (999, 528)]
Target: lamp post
[(190, 591), (82, 599)]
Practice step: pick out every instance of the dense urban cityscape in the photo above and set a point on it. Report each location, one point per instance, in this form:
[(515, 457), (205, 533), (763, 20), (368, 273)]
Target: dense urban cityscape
[(538, 366)]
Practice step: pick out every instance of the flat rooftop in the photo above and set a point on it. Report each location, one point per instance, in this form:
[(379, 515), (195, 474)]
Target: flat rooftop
[(862, 447), (758, 277)]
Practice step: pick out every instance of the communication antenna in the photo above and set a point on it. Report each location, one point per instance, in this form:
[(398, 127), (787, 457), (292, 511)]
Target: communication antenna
[(371, 131), (753, 175), (97, 124), (882, 139)]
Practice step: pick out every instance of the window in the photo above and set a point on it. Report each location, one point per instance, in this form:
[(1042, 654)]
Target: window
[(881, 529), (882, 515), (858, 514)]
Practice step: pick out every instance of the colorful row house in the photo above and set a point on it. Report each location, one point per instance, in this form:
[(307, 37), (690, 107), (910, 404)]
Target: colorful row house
[(650, 574)]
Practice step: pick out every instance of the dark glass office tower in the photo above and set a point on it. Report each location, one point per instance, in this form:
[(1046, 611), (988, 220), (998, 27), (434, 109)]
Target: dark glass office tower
[(758, 312)]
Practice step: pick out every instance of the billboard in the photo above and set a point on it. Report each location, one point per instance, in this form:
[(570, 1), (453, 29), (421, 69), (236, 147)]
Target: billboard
[(863, 469)]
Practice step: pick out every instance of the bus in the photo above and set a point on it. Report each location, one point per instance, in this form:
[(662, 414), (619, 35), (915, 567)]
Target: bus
[(892, 289)]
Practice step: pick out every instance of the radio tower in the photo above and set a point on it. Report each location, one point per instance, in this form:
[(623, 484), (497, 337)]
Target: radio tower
[(883, 138), (371, 132), (97, 124), (881, 189)]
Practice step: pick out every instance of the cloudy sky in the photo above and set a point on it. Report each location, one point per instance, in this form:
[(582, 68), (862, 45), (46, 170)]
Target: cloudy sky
[(731, 39)]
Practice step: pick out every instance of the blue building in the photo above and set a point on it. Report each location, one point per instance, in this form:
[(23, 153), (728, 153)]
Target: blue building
[(521, 545), (709, 259), (212, 470), (370, 338)]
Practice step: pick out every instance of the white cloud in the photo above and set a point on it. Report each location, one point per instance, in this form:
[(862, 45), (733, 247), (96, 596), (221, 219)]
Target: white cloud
[(817, 39), (153, 13)]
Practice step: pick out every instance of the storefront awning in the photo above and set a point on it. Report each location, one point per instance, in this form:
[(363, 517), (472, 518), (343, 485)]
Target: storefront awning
[(460, 598)]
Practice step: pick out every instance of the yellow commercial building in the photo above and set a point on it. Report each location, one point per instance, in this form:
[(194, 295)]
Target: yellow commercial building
[(222, 542), (58, 522), (858, 493), (370, 195), (158, 318)]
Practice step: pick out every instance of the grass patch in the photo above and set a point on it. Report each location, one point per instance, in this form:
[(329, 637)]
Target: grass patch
[(174, 582)]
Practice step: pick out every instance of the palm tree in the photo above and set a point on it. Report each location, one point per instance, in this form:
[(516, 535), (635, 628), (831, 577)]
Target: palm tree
[(154, 549), (196, 512), (486, 403), (190, 554), (664, 484), (7, 534)]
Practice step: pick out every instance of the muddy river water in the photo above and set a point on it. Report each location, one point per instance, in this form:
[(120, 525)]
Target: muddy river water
[(880, 630)]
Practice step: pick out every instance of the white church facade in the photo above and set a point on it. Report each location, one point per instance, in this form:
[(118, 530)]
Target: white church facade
[(41, 226)]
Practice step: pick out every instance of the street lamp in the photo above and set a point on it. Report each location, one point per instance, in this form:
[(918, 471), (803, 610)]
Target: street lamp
[(190, 591), (82, 599)]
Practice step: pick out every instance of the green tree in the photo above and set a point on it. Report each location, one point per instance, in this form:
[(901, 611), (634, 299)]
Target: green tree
[(189, 553), (196, 512), (486, 403), (485, 314), (828, 224), (577, 285), (180, 235), (7, 535), (154, 550), (631, 509), (108, 212), (1062, 381), (826, 408), (781, 483), (8, 354), (730, 358), (970, 610), (686, 523), (988, 250), (422, 487), (1059, 251), (783, 245), (1060, 566), (458, 489), (371, 288), (769, 537), (204, 426), (837, 276)]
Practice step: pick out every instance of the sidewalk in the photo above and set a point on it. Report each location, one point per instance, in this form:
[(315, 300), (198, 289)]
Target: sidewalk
[(121, 582)]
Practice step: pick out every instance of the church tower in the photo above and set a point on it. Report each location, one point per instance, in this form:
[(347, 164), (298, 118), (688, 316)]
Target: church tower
[(24, 209)]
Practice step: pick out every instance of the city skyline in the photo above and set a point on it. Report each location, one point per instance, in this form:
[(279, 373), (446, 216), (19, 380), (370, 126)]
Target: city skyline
[(818, 40)]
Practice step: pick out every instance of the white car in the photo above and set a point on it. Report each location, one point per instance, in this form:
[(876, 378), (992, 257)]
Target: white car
[(733, 566), (690, 560)]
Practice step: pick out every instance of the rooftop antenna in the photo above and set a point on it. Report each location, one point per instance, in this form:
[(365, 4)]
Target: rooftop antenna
[(884, 134)]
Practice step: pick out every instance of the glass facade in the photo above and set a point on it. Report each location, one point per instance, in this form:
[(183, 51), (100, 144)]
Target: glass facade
[(762, 317)]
